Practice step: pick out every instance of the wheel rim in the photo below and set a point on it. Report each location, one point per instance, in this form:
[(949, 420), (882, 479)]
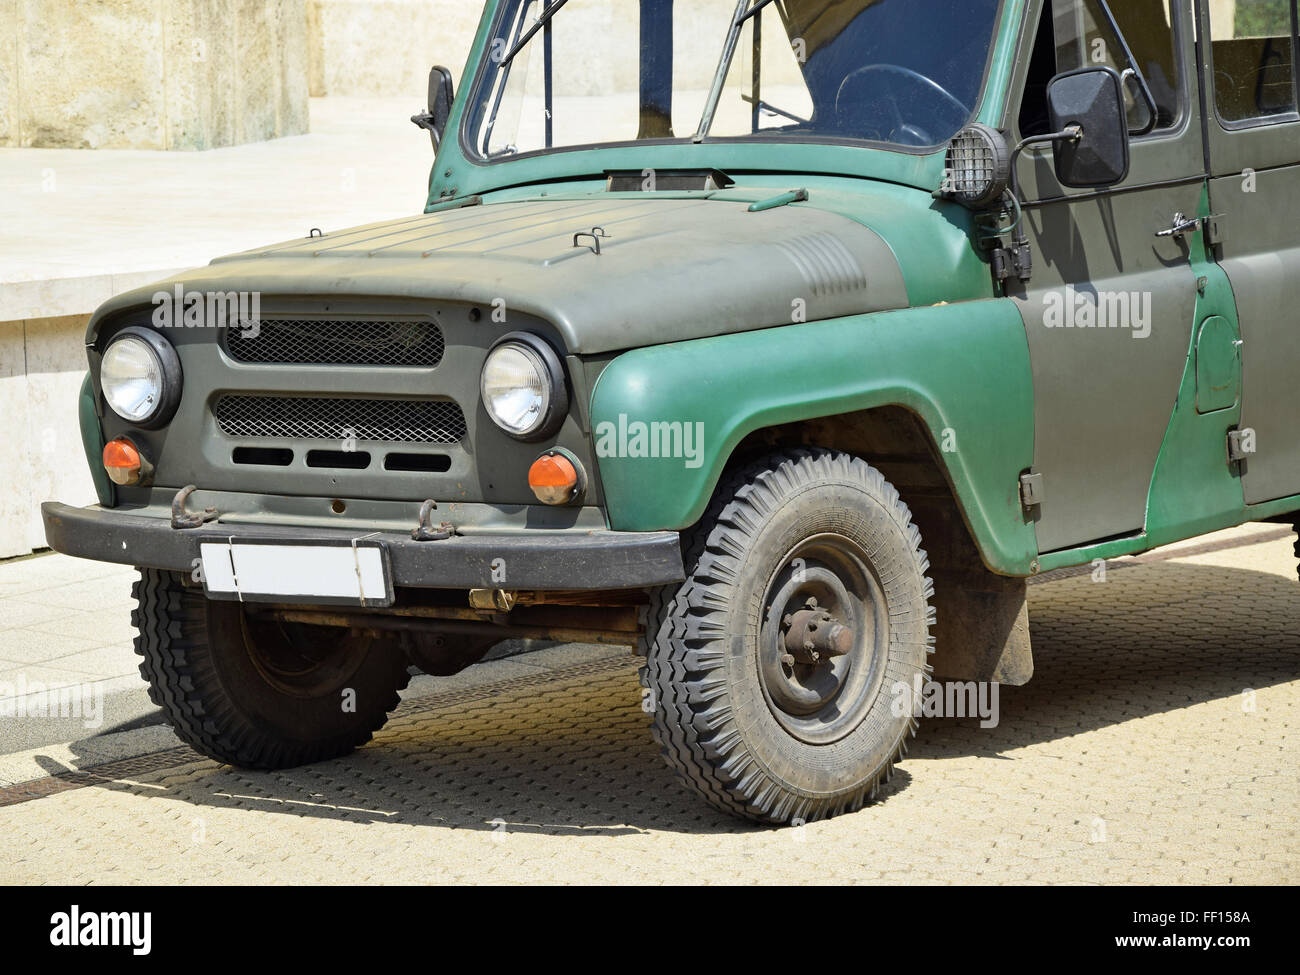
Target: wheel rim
[(823, 640), (301, 660)]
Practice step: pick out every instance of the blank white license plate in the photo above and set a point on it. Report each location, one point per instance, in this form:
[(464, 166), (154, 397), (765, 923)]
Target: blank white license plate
[(348, 573)]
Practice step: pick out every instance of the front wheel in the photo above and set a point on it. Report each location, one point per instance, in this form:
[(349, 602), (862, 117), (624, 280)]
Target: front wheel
[(775, 668), (256, 693)]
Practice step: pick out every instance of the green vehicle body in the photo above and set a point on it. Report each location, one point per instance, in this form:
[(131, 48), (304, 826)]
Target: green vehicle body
[(685, 317)]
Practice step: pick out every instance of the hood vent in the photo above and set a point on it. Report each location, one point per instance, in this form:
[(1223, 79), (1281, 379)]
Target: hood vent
[(666, 180)]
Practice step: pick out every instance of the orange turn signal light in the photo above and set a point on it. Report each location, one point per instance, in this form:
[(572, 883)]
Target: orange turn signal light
[(554, 478), (123, 462)]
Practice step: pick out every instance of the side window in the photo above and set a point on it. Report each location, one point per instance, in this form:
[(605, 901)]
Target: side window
[(1077, 34), (1254, 58)]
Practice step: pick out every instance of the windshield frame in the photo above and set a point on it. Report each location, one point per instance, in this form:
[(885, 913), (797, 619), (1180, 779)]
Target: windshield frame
[(479, 89)]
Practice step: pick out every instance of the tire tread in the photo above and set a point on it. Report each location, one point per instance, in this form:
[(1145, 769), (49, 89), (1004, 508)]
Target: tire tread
[(693, 721)]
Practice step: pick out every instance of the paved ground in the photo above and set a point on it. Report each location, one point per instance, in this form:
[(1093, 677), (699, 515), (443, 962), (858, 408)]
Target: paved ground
[(66, 623), (1158, 743)]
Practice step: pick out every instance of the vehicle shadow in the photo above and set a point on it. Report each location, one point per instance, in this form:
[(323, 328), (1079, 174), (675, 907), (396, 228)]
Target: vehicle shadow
[(1151, 638), (571, 754)]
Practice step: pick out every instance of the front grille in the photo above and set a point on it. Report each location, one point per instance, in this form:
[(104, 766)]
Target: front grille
[(383, 342), (340, 419)]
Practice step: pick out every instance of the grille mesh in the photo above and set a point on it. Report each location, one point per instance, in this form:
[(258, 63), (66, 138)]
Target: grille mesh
[(385, 342), (969, 164), (338, 419)]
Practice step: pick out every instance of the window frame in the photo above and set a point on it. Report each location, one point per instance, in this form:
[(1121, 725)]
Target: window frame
[(1186, 108), (484, 64), (1212, 95)]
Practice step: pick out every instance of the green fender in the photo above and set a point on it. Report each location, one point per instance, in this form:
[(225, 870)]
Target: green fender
[(962, 368)]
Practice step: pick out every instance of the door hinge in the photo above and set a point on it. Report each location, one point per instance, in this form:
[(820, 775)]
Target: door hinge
[(1241, 445), (1031, 490), (1216, 231)]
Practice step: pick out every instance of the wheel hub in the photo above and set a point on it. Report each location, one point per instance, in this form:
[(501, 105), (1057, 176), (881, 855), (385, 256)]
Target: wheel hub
[(823, 639), (812, 634)]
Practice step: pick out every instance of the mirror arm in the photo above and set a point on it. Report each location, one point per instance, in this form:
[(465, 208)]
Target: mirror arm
[(1071, 133), (424, 120), (1020, 257)]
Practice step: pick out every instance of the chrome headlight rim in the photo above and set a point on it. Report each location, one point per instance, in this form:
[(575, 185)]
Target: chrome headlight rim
[(169, 368), (556, 408)]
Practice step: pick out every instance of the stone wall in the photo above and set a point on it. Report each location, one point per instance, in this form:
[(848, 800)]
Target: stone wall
[(386, 47), (42, 362), (151, 74)]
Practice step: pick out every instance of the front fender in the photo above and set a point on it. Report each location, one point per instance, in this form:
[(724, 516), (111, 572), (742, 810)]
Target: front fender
[(666, 419), (92, 442)]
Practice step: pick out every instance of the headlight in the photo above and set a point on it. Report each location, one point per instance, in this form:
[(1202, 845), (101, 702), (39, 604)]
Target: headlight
[(140, 375), (977, 168), (523, 387)]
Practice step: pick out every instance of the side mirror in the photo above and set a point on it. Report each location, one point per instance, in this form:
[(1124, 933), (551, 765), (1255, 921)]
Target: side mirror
[(1091, 99), (442, 93)]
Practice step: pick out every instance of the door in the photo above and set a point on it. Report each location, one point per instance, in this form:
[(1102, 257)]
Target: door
[(1110, 309), (1254, 147)]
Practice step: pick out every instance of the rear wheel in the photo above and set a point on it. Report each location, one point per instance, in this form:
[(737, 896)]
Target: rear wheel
[(257, 693), (775, 668)]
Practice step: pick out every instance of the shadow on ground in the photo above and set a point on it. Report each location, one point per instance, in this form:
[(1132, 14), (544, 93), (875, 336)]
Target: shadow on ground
[(572, 754)]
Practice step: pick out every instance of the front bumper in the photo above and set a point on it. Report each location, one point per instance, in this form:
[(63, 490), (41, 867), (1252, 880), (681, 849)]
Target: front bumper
[(537, 560)]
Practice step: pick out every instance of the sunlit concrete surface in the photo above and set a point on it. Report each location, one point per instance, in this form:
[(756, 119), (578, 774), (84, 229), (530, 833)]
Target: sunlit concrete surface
[(1157, 743), (72, 219)]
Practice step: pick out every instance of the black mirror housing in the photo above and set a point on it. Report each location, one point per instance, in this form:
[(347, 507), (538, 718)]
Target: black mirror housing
[(442, 93), (1093, 100)]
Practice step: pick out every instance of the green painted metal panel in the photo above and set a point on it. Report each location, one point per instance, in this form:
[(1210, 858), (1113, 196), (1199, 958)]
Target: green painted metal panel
[(963, 369), (1194, 489), (668, 269), (1003, 62), (1218, 366), (932, 239)]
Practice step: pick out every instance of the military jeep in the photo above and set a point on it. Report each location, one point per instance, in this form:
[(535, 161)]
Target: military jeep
[(780, 340)]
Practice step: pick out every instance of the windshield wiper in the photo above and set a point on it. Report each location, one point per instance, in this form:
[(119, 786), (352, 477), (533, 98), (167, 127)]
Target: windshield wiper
[(543, 19), (743, 12)]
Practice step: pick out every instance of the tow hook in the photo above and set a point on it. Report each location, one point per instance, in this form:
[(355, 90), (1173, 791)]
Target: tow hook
[(424, 531), (183, 519)]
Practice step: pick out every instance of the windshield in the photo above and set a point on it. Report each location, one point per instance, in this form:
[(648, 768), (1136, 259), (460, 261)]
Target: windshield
[(903, 72)]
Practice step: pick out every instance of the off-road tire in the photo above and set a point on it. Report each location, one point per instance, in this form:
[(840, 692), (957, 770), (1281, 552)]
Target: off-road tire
[(201, 672), (702, 640)]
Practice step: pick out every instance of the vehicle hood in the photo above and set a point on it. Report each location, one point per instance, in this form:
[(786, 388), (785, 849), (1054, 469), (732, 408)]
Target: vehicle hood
[(668, 269)]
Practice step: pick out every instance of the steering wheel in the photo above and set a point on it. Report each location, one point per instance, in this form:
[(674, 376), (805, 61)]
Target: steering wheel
[(857, 115)]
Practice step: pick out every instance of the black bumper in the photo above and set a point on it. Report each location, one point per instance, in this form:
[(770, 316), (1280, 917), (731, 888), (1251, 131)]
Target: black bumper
[(545, 560)]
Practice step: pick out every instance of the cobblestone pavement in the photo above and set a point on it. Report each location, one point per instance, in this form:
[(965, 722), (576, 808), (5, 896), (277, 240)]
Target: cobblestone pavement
[(1157, 743)]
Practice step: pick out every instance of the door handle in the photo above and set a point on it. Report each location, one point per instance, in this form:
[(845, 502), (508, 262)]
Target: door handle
[(1181, 225)]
